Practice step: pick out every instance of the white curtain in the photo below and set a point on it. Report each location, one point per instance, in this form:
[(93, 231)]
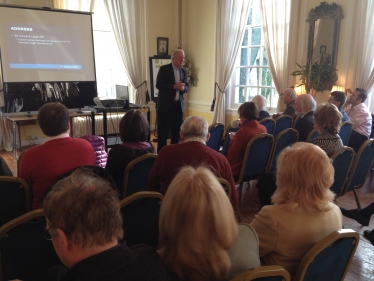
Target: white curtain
[(363, 50), (232, 16), (127, 19), (281, 33)]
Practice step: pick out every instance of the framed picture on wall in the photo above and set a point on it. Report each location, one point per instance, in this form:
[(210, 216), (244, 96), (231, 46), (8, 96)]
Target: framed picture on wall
[(162, 45)]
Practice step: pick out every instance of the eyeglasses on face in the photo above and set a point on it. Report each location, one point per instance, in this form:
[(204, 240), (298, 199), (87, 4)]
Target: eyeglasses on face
[(47, 235)]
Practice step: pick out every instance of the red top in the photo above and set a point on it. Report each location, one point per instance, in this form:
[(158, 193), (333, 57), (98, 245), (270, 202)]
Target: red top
[(43, 164), (238, 145)]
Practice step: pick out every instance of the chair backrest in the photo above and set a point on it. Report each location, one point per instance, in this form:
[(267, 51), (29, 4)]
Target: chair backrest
[(361, 166), (216, 132), (295, 118), (372, 126), (226, 142), (312, 135), (256, 157), (269, 124), (282, 123), (345, 132), (285, 138), (14, 198), (264, 273), (140, 213), (226, 186), (24, 252), (342, 162), (136, 174), (4, 168), (329, 259)]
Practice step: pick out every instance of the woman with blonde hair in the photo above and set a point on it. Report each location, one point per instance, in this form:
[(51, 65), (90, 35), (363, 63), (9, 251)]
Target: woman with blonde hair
[(303, 212), (261, 103), (198, 230), (327, 122)]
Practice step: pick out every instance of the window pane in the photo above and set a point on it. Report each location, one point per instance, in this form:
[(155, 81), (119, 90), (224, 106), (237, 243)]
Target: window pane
[(265, 58), (244, 56), (242, 94), (249, 21), (256, 36), (253, 74), (266, 77), (266, 92), (255, 56), (243, 76), (256, 18), (245, 38)]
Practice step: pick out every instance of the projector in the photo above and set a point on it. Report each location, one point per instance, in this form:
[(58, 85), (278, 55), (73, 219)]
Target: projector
[(113, 102)]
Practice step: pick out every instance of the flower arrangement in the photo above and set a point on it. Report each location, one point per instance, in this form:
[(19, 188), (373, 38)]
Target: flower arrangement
[(318, 74), (192, 82)]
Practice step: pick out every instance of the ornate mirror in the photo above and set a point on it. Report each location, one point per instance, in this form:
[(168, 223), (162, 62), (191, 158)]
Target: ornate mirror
[(324, 29)]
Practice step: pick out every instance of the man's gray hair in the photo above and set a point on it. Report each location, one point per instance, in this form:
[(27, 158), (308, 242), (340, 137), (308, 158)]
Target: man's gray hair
[(308, 101), (291, 92), (195, 126), (175, 52), (260, 101)]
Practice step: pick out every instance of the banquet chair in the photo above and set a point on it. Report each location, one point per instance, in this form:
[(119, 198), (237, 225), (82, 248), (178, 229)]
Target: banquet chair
[(227, 140), (228, 190), (140, 214), (14, 198), (345, 132), (216, 132), (264, 273), (295, 119), (360, 168), (330, 258), (282, 123), (4, 168), (285, 138), (256, 159), (24, 252), (269, 124), (341, 161), (136, 174), (312, 135)]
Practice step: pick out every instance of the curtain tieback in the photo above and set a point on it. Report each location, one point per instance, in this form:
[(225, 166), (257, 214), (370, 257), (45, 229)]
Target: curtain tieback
[(144, 82), (214, 98)]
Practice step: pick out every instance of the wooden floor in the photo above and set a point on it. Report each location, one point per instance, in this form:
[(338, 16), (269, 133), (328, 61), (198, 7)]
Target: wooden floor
[(362, 267)]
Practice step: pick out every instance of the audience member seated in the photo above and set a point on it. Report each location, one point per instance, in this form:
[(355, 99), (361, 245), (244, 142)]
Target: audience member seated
[(249, 127), (261, 103), (134, 130), (339, 98), (303, 212), (43, 164), (288, 97), (84, 222), (327, 122), (360, 118), (191, 151), (199, 237), (304, 106)]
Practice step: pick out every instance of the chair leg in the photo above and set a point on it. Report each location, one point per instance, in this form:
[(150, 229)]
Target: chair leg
[(240, 190), (357, 200), (238, 213)]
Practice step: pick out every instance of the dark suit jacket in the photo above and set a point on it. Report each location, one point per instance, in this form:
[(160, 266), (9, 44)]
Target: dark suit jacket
[(164, 84), (304, 125), (289, 109)]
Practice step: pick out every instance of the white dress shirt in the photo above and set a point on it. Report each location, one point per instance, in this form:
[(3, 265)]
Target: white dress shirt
[(360, 118)]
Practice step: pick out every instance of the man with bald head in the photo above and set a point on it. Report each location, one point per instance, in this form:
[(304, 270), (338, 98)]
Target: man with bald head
[(288, 97), (191, 151), (305, 106)]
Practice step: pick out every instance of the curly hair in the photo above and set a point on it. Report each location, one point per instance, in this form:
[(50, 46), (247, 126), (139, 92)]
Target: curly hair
[(328, 118)]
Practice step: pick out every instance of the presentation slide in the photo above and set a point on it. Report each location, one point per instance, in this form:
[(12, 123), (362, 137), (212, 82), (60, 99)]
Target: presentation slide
[(43, 45)]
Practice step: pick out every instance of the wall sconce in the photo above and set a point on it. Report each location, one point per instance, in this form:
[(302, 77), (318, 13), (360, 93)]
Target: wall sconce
[(300, 90), (337, 88)]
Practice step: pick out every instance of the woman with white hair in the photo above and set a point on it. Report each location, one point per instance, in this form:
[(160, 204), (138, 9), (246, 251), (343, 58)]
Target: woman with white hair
[(303, 212), (261, 103), (199, 237)]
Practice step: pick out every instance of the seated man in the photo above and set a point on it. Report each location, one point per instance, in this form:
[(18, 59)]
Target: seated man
[(84, 222), (360, 118), (191, 151), (288, 97), (43, 164), (339, 98), (304, 106)]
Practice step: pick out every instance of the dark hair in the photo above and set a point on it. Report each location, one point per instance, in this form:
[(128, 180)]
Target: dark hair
[(340, 97), (53, 119), (363, 94), (134, 127), (249, 110)]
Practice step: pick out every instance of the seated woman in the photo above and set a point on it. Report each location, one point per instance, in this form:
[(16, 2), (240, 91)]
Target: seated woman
[(261, 103), (327, 122), (249, 127), (134, 130), (303, 212), (199, 237)]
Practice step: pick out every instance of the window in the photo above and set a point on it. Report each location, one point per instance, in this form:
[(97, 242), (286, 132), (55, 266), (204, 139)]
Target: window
[(251, 75)]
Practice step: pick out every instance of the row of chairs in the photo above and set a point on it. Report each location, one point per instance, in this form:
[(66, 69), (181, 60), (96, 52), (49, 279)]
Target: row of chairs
[(344, 133)]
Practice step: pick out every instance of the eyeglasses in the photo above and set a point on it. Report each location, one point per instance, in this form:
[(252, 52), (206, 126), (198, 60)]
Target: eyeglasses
[(47, 235)]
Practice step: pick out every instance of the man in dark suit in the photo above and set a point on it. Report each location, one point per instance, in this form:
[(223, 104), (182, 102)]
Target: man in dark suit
[(172, 85), (305, 105), (339, 98)]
